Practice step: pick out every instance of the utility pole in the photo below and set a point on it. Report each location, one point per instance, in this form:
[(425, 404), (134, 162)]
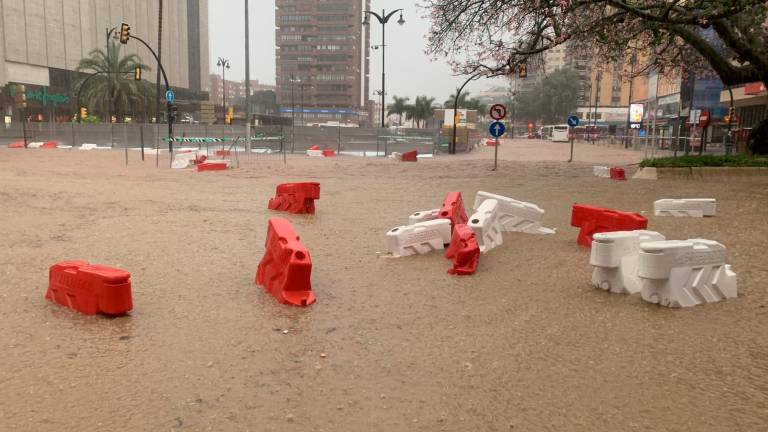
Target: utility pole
[(632, 61), (247, 70), (383, 19), (597, 104), (159, 58)]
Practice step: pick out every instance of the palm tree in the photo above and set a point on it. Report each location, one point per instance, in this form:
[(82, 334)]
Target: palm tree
[(398, 107), (421, 110), (462, 100), (115, 74)]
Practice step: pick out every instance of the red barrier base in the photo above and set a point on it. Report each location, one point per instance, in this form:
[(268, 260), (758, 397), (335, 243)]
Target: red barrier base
[(90, 288), (410, 156), (329, 153), (297, 198), (618, 174), (212, 166), (223, 152), (50, 145), (453, 209), (490, 142), (314, 147), (285, 268), (592, 220), (464, 251), (17, 144)]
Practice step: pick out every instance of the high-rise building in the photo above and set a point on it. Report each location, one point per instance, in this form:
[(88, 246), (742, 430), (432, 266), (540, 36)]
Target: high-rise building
[(322, 60), (42, 42)]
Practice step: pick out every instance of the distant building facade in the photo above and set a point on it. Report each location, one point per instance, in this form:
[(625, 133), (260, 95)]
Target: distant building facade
[(41, 43), (322, 60)]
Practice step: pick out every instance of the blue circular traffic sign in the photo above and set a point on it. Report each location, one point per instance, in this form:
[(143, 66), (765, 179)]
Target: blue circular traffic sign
[(497, 129), (573, 121)]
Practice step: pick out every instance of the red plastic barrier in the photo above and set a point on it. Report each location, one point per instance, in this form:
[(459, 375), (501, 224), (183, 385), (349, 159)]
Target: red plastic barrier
[(464, 251), (90, 288), (618, 174), (295, 198), (314, 147), (329, 153), (593, 220), (50, 145), (17, 144), (453, 209), (285, 268), (490, 142), (200, 159), (410, 156), (212, 166), (223, 152)]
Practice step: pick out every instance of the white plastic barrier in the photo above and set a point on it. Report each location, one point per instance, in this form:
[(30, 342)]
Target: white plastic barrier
[(36, 144), (315, 153), (514, 215), (420, 238), (601, 171), (693, 207), (86, 146), (486, 223), (396, 156), (423, 216), (183, 160), (614, 257), (683, 273)]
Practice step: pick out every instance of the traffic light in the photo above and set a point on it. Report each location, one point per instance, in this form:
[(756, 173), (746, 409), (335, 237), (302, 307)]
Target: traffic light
[(83, 113), (522, 71), (230, 115), (137, 73), (125, 33), (21, 95), (173, 112)]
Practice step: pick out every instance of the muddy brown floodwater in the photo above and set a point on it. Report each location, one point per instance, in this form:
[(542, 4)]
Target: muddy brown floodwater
[(526, 344)]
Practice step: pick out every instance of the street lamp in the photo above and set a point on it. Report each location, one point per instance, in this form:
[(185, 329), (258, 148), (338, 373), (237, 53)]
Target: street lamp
[(383, 19), (632, 61), (223, 64)]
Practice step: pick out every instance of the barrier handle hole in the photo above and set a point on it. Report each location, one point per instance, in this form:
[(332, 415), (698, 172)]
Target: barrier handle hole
[(474, 221), (300, 255)]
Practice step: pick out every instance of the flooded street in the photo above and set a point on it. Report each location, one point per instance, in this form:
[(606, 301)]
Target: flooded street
[(526, 344)]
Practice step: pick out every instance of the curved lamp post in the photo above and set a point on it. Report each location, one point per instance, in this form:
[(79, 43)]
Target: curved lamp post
[(383, 19)]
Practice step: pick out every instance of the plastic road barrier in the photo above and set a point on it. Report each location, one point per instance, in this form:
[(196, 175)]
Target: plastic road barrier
[(212, 165), (184, 160), (453, 209), (679, 273), (36, 144), (591, 220), (601, 171), (50, 145), (297, 198), (486, 223), (409, 156), (224, 152), (617, 174), (315, 153), (286, 267), (314, 147), (90, 288), (419, 238), (516, 216), (614, 258), (329, 152), (692, 207), (423, 215), (464, 251), (17, 144)]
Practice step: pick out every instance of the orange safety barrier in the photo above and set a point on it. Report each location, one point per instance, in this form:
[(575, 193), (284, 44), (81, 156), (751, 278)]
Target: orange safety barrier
[(329, 153), (285, 268), (90, 288), (50, 145), (453, 209), (464, 251), (210, 165), (17, 144), (618, 174), (410, 156), (295, 198), (592, 220)]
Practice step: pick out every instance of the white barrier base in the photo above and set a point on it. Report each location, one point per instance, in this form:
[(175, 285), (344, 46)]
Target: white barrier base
[(423, 216), (420, 238), (692, 207), (684, 273), (315, 153), (514, 215), (614, 256), (601, 171), (486, 224), (36, 144)]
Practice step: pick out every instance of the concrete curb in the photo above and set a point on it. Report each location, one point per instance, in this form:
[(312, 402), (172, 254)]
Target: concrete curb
[(650, 173)]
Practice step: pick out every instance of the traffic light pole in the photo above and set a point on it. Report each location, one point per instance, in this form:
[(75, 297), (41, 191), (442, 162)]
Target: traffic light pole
[(167, 88), (452, 147)]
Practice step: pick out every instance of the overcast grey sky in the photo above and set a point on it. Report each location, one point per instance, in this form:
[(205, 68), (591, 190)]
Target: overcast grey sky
[(410, 72)]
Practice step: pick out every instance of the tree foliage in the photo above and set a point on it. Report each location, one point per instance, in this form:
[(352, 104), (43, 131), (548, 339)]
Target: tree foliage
[(465, 102), (496, 37), (127, 94), (398, 107), (551, 100), (421, 110)]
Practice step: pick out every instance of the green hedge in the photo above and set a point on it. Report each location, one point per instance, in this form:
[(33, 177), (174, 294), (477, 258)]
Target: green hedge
[(707, 161)]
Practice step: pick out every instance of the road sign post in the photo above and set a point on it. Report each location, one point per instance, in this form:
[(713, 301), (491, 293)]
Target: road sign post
[(573, 121), (496, 129)]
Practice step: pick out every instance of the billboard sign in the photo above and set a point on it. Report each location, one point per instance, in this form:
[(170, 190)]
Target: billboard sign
[(636, 113)]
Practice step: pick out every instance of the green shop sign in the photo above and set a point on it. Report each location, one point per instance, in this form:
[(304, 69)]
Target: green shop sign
[(41, 96)]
